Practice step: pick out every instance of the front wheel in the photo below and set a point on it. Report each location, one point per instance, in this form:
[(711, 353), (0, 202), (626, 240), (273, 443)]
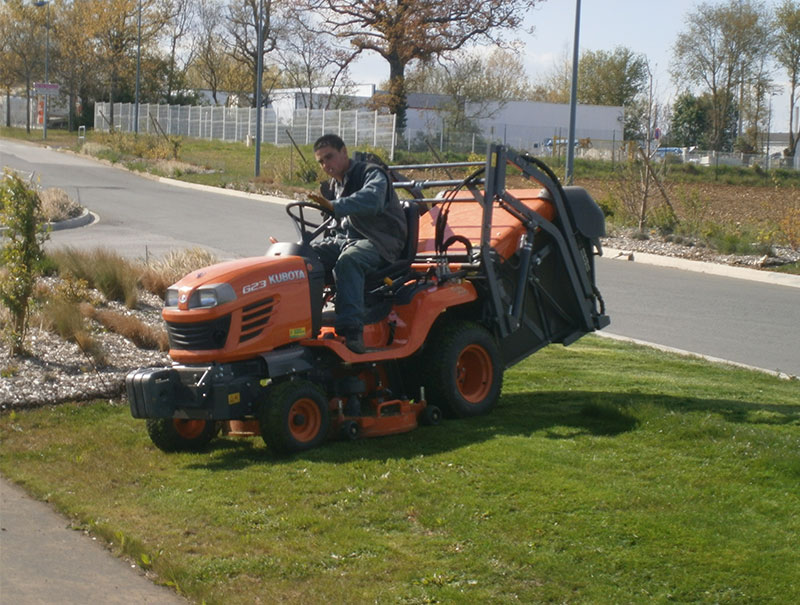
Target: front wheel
[(180, 434), (463, 370), (295, 417)]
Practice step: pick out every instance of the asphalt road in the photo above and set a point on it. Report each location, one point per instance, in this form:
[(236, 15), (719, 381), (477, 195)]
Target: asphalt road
[(140, 217), (748, 322)]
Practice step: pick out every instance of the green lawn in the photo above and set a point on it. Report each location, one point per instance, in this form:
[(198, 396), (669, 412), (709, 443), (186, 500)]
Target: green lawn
[(608, 473)]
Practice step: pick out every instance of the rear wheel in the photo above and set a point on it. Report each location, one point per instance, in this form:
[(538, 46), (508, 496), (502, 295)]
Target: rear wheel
[(463, 370), (180, 434), (295, 417)]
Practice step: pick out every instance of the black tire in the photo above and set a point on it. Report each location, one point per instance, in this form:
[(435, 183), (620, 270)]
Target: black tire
[(180, 435), (295, 417), (463, 373), (350, 430), (431, 416)]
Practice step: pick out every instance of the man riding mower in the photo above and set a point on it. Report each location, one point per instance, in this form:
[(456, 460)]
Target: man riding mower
[(487, 275)]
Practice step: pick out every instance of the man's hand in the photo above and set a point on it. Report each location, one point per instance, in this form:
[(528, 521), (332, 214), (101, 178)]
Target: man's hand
[(316, 198)]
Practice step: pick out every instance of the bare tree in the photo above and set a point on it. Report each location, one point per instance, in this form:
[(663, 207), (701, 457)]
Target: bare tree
[(116, 34), (787, 26), (719, 50), (553, 86), (180, 23), (23, 31), (209, 64), (477, 84), (310, 60), (640, 178), (407, 30), (242, 26), (77, 61), (7, 71)]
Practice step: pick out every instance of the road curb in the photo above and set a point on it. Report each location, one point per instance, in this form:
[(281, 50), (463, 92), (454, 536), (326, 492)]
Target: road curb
[(84, 219), (685, 353), (768, 277), (272, 199)]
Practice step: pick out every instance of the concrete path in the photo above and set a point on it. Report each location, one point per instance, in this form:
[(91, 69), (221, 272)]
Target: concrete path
[(43, 561)]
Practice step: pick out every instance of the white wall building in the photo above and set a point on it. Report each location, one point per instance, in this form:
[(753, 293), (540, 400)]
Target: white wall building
[(521, 124)]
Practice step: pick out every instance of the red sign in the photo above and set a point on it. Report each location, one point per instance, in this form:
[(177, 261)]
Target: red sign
[(45, 88)]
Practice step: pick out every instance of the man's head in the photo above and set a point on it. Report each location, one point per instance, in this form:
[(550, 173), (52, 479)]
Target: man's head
[(331, 153)]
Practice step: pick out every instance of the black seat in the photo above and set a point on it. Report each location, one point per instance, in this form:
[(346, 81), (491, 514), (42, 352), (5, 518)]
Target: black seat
[(377, 295), (400, 267)]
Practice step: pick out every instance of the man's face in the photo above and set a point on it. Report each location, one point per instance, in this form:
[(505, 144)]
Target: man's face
[(334, 162)]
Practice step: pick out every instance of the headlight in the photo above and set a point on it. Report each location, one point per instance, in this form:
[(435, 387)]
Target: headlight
[(208, 298), (171, 297), (211, 296)]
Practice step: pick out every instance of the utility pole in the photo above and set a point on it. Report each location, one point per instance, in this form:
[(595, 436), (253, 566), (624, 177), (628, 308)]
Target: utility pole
[(138, 70), (259, 74), (46, 61), (573, 95)]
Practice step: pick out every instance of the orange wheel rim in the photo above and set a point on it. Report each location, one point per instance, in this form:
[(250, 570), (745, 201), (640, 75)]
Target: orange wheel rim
[(474, 373), (189, 429), (305, 420)]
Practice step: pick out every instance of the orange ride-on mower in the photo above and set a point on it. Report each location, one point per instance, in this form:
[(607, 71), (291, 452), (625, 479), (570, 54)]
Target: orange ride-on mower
[(489, 276)]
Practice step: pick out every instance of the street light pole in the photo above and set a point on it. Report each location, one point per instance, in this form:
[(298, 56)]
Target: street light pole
[(573, 95), (259, 75), (138, 70), (46, 61), (769, 127)]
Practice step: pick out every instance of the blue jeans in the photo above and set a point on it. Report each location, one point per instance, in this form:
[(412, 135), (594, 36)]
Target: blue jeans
[(350, 260)]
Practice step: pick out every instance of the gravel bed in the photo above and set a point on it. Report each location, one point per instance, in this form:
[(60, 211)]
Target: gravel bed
[(57, 371), (622, 240)]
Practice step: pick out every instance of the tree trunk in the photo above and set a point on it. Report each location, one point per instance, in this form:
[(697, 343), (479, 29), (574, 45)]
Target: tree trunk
[(71, 119), (398, 103), (28, 106)]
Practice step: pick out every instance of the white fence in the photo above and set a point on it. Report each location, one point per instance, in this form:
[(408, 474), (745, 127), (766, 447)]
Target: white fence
[(358, 128), (239, 123)]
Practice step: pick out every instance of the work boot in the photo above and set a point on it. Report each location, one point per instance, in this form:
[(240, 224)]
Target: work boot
[(354, 340)]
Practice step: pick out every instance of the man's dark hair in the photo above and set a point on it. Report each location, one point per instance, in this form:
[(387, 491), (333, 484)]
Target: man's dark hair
[(329, 140)]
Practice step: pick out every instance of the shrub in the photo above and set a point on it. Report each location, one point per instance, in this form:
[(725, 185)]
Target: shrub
[(57, 205), (135, 330), (727, 240), (103, 269), (21, 253), (65, 318), (157, 277), (790, 227)]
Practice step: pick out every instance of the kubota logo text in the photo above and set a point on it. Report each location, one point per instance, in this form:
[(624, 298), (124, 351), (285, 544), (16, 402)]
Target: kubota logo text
[(275, 278)]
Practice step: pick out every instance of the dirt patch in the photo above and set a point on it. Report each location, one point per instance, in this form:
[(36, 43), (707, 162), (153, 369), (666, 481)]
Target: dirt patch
[(757, 207)]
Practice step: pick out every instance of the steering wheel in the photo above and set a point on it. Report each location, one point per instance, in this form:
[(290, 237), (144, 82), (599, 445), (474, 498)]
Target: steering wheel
[(309, 228)]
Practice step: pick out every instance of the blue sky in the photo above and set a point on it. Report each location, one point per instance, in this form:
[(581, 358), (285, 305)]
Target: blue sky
[(649, 27)]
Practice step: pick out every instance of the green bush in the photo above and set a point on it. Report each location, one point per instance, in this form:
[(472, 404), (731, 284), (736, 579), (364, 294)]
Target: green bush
[(736, 241), (103, 269), (21, 253)]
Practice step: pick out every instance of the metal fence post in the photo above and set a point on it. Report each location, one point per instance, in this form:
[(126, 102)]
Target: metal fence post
[(394, 136)]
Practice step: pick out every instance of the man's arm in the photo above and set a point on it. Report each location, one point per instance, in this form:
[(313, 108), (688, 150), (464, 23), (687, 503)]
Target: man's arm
[(367, 201), (319, 200)]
